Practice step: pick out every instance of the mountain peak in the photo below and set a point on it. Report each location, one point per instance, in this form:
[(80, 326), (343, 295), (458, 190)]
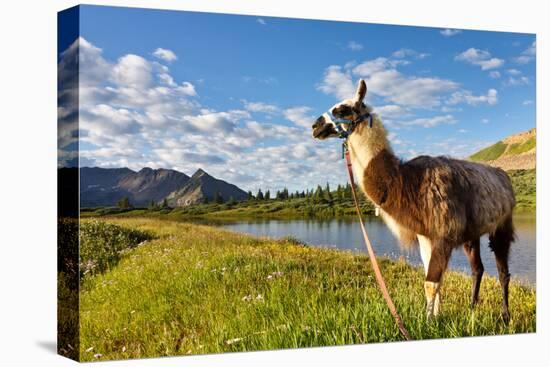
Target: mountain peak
[(199, 173)]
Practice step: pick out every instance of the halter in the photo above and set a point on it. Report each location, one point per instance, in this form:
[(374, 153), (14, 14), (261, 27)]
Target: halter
[(352, 124)]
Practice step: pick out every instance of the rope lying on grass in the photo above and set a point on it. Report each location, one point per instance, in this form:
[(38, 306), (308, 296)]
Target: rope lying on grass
[(376, 268)]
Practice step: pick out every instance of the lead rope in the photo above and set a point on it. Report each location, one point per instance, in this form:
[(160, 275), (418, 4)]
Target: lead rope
[(376, 268)]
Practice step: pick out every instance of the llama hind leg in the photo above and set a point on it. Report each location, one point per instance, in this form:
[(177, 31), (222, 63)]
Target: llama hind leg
[(500, 242), (438, 263), (471, 249), (426, 253)]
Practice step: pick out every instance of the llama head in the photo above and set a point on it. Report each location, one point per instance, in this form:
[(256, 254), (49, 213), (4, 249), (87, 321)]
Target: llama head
[(349, 109)]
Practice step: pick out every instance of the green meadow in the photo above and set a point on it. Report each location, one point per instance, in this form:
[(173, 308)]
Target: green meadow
[(152, 287)]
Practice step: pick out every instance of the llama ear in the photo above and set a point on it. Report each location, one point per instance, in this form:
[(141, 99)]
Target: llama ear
[(361, 92)]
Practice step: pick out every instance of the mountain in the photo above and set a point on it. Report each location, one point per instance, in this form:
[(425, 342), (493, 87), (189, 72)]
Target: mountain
[(517, 151), (106, 186), (152, 184), (201, 187)]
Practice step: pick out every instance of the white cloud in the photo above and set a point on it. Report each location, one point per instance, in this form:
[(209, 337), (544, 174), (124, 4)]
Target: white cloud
[(391, 111), (450, 32), (404, 52), (527, 55), (218, 121), (494, 74), (384, 80), (513, 72), (491, 98), (132, 71), (527, 102), (261, 21), (484, 121), (337, 82), (165, 54), (513, 81), (354, 46), (261, 107), (300, 116), (430, 121), (480, 58), (187, 89)]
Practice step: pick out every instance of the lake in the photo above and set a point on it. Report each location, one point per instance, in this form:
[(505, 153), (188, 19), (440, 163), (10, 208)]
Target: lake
[(345, 234)]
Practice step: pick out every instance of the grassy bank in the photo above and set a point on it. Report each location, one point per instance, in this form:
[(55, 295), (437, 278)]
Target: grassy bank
[(278, 209), (525, 188), (191, 289), (524, 182)]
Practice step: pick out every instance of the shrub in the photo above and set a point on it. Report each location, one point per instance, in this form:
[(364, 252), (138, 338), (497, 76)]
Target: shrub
[(102, 245)]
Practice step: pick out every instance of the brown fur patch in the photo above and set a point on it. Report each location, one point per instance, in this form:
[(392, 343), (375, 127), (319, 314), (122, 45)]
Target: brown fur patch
[(441, 198)]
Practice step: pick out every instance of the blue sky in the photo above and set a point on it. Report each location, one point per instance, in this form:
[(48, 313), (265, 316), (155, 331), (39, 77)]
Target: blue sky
[(236, 95)]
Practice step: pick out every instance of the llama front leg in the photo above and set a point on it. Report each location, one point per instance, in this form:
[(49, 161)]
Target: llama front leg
[(426, 254), (438, 263)]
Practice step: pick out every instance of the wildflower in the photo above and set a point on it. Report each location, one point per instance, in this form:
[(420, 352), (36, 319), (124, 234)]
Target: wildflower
[(98, 355), (232, 341), (90, 349), (259, 297), (247, 298)]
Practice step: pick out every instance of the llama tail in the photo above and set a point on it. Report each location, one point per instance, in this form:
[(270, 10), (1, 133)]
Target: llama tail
[(501, 239)]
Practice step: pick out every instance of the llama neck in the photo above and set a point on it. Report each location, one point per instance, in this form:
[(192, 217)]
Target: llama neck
[(364, 144)]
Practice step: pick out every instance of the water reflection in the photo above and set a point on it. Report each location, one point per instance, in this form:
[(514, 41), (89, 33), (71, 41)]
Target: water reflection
[(345, 234)]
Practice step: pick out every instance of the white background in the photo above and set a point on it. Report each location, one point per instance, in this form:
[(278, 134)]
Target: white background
[(28, 182)]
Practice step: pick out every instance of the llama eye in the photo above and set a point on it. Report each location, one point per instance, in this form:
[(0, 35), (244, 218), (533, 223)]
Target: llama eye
[(343, 110)]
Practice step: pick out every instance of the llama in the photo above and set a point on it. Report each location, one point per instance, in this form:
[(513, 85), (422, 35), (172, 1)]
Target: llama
[(438, 203)]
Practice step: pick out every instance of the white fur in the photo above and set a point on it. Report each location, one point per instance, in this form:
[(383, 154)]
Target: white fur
[(433, 306)]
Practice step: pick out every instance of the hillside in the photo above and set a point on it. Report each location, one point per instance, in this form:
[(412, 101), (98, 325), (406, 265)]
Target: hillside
[(101, 187), (516, 152), (106, 186)]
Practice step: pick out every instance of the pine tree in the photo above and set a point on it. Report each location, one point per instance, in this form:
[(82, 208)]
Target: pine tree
[(318, 195), (267, 195), (124, 203), (165, 203), (218, 198), (260, 195), (328, 195), (250, 196)]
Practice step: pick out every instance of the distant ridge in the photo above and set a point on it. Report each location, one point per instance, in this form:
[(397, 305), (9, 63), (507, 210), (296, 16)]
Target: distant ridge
[(106, 186), (517, 151)]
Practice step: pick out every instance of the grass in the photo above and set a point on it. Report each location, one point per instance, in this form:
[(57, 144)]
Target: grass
[(279, 209), (103, 244), (525, 188), (195, 289), (518, 148), (490, 153)]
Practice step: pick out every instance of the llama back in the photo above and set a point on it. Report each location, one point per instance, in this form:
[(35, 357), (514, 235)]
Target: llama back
[(462, 199)]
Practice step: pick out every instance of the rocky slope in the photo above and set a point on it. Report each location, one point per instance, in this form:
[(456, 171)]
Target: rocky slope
[(515, 152), (203, 187)]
